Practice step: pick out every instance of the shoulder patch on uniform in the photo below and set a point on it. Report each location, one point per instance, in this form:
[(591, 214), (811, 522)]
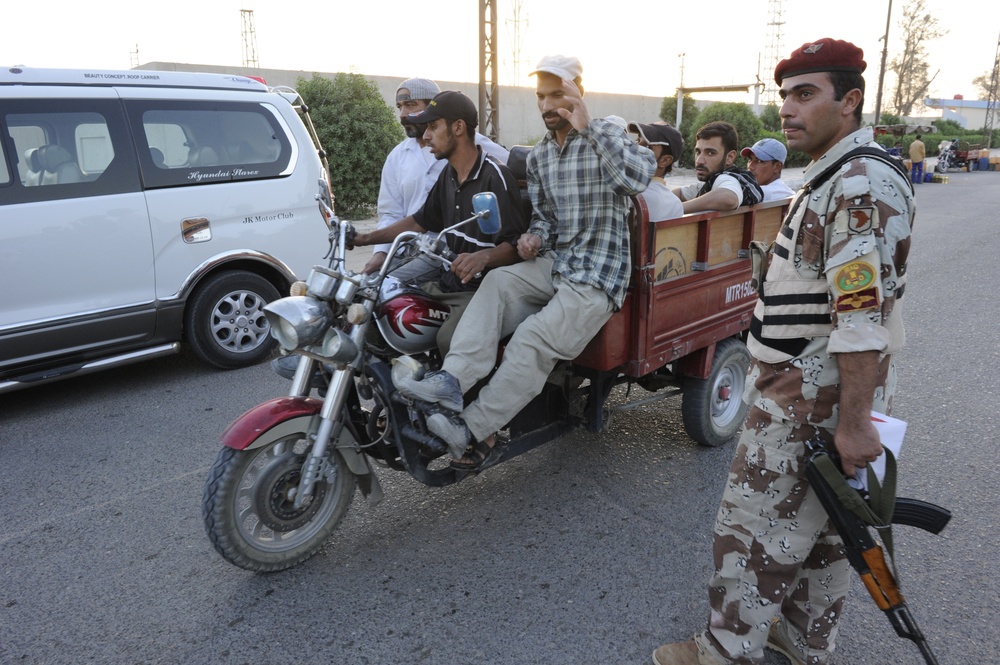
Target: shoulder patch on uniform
[(858, 301), (862, 218), (854, 277)]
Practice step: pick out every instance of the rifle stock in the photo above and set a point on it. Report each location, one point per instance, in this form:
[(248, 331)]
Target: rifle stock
[(868, 559)]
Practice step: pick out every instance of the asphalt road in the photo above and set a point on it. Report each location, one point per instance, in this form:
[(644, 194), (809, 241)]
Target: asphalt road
[(592, 549)]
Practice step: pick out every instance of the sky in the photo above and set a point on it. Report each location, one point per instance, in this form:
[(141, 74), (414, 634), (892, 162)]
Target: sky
[(634, 50)]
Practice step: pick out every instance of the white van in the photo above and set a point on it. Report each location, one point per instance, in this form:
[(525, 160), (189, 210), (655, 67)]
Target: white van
[(140, 208)]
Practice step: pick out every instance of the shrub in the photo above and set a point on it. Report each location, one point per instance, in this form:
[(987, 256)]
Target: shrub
[(948, 127), (357, 131)]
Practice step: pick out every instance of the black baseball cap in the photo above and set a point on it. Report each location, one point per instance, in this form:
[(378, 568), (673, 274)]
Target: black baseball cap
[(660, 133), (449, 105)]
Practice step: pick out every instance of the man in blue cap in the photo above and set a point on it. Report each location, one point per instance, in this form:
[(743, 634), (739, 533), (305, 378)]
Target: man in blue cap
[(765, 159)]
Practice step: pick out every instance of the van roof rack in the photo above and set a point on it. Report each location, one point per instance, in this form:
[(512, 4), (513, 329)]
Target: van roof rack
[(130, 77)]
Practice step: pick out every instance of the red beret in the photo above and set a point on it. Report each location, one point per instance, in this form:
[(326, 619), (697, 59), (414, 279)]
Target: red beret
[(825, 55)]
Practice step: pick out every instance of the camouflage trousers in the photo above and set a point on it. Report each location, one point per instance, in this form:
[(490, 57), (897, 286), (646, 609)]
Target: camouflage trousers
[(775, 553)]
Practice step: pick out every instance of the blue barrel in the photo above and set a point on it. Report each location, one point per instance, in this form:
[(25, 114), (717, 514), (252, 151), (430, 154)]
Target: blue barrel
[(984, 163)]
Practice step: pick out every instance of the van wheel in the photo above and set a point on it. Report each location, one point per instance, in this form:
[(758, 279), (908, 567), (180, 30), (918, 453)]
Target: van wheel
[(224, 322), (713, 409)]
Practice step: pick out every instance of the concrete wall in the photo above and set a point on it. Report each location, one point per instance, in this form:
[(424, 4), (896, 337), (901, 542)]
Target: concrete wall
[(519, 121)]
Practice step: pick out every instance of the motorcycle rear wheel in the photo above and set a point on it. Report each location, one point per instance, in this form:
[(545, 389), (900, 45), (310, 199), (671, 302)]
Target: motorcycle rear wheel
[(248, 505)]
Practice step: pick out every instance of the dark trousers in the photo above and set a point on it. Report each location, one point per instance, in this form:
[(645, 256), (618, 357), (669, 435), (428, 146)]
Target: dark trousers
[(917, 172)]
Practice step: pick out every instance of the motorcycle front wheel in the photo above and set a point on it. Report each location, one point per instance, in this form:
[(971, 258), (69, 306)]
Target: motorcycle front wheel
[(249, 510)]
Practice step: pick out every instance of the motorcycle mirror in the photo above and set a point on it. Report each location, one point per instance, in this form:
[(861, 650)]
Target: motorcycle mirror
[(484, 204)]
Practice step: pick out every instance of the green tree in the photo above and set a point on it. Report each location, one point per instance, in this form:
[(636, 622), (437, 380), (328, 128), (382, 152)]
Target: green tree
[(668, 112), (771, 118), (741, 116), (984, 84), (890, 119), (357, 131), (913, 79)]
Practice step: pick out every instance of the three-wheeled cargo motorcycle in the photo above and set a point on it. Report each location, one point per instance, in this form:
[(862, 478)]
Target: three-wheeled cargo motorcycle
[(289, 467)]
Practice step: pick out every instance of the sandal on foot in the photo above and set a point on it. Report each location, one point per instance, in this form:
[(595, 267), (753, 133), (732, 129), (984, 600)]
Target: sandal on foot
[(479, 455)]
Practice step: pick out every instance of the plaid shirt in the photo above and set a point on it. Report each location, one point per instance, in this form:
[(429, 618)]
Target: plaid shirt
[(579, 195)]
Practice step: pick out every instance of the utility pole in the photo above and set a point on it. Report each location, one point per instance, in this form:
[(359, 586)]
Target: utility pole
[(516, 34), (773, 51), (881, 71), (249, 39), (991, 103), (680, 95), (489, 84)]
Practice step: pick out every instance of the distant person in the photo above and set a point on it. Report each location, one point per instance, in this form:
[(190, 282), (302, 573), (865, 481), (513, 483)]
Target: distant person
[(410, 169), (450, 125), (918, 153), (726, 187), (667, 146), (766, 159)]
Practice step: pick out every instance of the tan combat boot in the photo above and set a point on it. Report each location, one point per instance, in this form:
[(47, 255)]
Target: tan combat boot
[(682, 653), (777, 642)]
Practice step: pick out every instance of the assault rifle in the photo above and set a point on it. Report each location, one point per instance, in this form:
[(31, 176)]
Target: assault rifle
[(843, 505)]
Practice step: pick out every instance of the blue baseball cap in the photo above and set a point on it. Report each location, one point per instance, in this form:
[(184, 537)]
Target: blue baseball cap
[(767, 150)]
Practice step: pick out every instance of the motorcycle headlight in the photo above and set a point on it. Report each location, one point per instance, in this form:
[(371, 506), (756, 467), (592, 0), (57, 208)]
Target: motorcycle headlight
[(339, 347), (322, 282), (298, 321)]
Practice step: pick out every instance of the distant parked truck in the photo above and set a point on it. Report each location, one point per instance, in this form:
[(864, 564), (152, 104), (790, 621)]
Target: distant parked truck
[(956, 155)]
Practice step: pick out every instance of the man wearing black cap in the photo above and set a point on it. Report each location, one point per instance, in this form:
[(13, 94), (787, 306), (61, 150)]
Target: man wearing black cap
[(450, 122), (410, 169), (822, 338), (667, 146)]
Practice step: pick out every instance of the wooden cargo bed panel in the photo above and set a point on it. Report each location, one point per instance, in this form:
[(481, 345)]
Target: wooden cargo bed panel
[(690, 288)]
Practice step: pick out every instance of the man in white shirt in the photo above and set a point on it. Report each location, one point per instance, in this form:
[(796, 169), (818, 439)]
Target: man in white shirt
[(411, 170), (721, 185), (667, 145), (766, 158)]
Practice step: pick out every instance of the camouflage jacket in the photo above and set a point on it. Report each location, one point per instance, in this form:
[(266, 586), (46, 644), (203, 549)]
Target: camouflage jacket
[(833, 285)]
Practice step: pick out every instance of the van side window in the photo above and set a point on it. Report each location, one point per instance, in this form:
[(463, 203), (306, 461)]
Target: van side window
[(67, 150), (4, 169), (199, 143)]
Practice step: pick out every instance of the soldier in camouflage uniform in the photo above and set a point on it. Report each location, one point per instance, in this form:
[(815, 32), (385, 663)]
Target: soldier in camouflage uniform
[(822, 338)]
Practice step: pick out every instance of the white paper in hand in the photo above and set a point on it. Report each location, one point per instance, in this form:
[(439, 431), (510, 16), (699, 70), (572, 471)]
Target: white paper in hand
[(890, 431)]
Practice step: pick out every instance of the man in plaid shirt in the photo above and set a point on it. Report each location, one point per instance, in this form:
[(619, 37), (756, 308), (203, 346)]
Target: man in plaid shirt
[(573, 276)]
